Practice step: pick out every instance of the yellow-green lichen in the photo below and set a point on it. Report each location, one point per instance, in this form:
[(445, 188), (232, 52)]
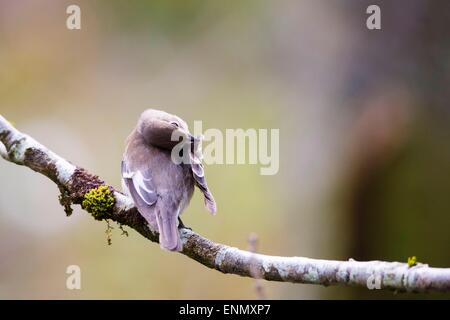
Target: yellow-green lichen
[(99, 202), (108, 232), (412, 261)]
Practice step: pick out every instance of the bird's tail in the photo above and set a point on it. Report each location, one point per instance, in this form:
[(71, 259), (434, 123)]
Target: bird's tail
[(169, 238)]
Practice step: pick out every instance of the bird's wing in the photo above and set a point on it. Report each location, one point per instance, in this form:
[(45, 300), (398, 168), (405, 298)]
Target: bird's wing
[(142, 190), (200, 181), (160, 215)]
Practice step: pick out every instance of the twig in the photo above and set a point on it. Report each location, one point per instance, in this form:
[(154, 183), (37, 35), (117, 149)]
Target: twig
[(76, 183), (253, 247)]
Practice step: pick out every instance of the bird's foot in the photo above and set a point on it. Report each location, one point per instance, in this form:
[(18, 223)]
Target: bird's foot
[(181, 225)]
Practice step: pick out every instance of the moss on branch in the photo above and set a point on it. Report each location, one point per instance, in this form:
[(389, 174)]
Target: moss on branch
[(99, 202)]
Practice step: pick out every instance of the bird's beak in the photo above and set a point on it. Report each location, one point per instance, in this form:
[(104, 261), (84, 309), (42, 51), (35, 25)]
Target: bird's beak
[(194, 139), (189, 137)]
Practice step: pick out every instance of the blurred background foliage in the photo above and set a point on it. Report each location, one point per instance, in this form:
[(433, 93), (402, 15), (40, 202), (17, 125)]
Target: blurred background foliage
[(364, 129)]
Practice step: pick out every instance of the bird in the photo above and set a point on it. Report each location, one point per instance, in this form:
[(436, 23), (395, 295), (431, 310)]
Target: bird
[(160, 187)]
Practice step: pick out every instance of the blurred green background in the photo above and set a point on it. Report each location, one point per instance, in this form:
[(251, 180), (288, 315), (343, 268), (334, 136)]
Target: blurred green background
[(364, 132)]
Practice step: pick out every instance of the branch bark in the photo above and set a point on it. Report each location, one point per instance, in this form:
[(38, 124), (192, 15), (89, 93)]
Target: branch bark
[(74, 182)]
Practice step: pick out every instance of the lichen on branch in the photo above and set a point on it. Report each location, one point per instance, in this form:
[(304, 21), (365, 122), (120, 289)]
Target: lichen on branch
[(99, 202), (95, 196)]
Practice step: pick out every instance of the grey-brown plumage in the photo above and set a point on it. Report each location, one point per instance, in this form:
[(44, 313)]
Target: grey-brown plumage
[(160, 188)]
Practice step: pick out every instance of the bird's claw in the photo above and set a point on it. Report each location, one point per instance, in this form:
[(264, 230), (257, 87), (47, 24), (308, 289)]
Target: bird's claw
[(181, 225)]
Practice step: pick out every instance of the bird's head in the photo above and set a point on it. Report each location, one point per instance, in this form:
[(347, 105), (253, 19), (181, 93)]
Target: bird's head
[(163, 129)]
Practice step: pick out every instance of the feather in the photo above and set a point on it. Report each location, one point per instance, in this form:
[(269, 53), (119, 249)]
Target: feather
[(199, 176), (169, 238), (139, 186)]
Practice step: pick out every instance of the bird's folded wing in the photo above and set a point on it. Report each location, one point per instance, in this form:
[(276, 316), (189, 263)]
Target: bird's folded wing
[(143, 192), (142, 183)]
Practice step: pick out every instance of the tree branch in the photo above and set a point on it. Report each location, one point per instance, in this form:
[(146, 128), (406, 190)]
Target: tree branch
[(74, 183)]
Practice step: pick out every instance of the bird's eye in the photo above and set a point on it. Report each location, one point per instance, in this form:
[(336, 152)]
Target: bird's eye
[(175, 124)]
